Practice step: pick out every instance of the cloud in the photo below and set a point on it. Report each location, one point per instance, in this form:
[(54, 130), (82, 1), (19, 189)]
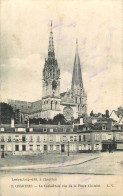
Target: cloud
[(21, 79)]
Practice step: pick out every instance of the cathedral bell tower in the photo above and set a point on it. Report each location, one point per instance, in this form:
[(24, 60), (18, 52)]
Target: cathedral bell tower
[(51, 72), (77, 88), (51, 80)]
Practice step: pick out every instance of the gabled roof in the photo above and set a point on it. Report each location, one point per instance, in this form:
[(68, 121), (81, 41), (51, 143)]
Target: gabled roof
[(114, 115)]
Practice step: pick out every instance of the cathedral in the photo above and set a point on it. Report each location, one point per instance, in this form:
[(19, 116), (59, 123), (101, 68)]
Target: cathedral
[(72, 103)]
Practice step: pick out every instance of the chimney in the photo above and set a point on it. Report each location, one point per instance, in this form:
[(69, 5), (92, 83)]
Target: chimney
[(81, 121), (28, 123), (73, 125), (12, 123)]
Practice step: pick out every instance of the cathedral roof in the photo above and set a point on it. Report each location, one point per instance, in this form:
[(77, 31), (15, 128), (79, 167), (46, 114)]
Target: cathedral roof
[(77, 75)]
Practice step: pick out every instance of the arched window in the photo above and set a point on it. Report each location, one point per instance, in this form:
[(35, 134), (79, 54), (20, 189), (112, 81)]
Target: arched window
[(51, 105), (2, 138), (56, 105), (80, 100), (75, 99), (78, 107)]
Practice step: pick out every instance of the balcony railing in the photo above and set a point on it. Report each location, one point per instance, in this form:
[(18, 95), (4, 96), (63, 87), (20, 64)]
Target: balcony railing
[(31, 141), (23, 140), (9, 140), (2, 140), (17, 140)]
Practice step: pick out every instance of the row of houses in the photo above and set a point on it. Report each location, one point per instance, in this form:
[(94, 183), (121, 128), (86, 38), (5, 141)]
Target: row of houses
[(38, 139)]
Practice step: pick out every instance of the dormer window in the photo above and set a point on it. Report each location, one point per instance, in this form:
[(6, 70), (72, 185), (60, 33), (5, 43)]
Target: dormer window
[(103, 127), (1, 129), (45, 129), (30, 129), (51, 130), (119, 127)]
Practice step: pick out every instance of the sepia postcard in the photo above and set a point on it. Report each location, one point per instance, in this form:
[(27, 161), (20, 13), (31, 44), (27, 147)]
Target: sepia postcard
[(61, 97)]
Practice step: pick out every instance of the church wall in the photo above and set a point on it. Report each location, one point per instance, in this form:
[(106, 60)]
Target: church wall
[(49, 114), (51, 103), (24, 106), (35, 115), (36, 106)]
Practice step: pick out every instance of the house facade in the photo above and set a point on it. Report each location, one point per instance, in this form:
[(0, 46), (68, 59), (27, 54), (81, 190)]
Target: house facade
[(40, 139)]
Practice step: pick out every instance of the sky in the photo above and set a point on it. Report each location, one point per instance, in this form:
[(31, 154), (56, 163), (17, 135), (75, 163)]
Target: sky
[(24, 37)]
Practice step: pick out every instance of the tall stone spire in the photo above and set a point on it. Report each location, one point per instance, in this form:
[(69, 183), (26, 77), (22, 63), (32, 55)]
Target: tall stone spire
[(51, 72), (77, 83), (51, 44)]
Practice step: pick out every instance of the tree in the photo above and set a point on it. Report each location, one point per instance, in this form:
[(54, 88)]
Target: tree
[(59, 118), (120, 111), (99, 114), (50, 121), (37, 121), (92, 113), (6, 113)]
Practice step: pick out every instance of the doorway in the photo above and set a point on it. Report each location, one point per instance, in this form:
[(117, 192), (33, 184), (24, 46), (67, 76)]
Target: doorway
[(45, 148), (108, 147), (62, 148)]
